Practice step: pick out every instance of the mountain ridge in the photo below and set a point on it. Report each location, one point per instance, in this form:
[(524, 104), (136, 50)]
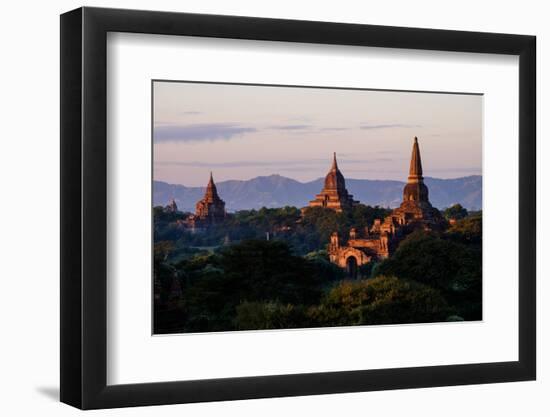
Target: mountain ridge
[(278, 191)]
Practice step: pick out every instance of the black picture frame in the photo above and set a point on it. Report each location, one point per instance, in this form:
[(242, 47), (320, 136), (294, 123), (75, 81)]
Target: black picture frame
[(84, 207)]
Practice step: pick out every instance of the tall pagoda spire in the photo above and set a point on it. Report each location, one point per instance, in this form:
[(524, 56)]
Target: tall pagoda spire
[(211, 193), (415, 190), (415, 170), (334, 179)]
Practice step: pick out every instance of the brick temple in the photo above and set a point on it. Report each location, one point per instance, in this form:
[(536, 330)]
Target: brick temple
[(334, 194), (210, 209)]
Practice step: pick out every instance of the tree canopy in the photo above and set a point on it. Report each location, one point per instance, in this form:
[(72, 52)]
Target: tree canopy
[(231, 277), (456, 212)]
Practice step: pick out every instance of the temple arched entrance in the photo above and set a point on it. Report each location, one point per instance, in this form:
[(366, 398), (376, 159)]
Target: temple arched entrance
[(351, 267)]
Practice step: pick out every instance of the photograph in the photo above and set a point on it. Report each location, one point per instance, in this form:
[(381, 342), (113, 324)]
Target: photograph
[(287, 207)]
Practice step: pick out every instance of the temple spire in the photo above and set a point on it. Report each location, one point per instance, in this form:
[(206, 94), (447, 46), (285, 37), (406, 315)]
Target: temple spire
[(211, 191), (172, 206), (415, 191), (415, 170), (334, 163)]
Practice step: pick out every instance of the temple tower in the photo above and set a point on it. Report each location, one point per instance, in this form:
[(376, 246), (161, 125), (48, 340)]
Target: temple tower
[(415, 190), (211, 208), (172, 207), (334, 194), (416, 205)]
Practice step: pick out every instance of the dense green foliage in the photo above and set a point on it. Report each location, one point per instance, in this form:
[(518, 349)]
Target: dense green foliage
[(456, 211), (381, 300), (450, 262), (269, 315), (230, 277), (467, 231), (255, 270), (304, 234)]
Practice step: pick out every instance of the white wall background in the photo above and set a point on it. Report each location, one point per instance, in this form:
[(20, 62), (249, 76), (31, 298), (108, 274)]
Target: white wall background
[(29, 219)]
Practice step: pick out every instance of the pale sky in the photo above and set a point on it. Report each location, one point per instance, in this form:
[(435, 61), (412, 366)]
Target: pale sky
[(241, 132)]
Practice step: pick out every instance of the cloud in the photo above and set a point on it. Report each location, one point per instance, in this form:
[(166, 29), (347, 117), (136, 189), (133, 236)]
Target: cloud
[(191, 113), (240, 164), (230, 164), (290, 127), (199, 132), (389, 126), (333, 129)]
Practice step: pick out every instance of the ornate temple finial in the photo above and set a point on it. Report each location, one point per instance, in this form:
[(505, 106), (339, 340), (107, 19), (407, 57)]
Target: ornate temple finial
[(334, 163), (415, 170), (211, 184), (211, 190)]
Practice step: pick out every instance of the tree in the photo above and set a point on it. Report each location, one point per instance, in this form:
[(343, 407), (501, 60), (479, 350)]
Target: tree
[(362, 216), (431, 260), (162, 250), (325, 269), (269, 315), (456, 212), (321, 222), (382, 300), (267, 270), (444, 264), (254, 270), (467, 230)]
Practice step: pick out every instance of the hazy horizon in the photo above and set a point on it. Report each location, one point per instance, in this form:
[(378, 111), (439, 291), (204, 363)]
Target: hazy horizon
[(240, 132)]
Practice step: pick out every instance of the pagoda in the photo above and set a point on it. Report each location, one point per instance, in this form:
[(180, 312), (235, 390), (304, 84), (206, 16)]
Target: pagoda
[(334, 194), (416, 206), (211, 208), (172, 207)]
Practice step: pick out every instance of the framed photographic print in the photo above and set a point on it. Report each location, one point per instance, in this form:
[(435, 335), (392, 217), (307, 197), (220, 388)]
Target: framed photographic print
[(258, 207)]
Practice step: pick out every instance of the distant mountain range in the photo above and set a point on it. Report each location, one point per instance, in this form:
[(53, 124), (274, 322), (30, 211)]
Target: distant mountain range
[(278, 191)]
